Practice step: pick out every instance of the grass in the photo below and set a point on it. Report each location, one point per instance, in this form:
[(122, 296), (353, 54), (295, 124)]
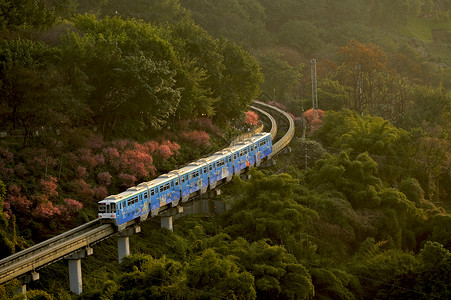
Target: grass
[(421, 29)]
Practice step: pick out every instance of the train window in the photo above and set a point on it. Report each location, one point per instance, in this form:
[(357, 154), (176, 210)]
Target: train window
[(234, 156), (176, 182), (145, 195), (161, 189), (210, 167), (183, 179), (205, 169), (172, 183), (230, 158), (152, 192), (102, 208), (166, 186)]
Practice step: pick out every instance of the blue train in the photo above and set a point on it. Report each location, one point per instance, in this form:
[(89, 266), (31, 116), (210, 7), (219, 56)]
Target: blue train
[(168, 190)]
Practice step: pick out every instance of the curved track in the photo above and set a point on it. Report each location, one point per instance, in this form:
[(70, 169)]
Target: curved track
[(88, 234)]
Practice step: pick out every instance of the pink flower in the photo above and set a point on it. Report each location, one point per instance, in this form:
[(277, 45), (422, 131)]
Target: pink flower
[(104, 178), (46, 209), (152, 146), (100, 192), (198, 138), (81, 172), (82, 189), (110, 154), (73, 205), (49, 186), (96, 142), (165, 151), (127, 179), (251, 118)]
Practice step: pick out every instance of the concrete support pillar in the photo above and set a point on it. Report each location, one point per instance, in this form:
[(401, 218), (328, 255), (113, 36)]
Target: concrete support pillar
[(166, 218), (123, 241), (123, 247), (26, 279), (166, 222), (75, 276)]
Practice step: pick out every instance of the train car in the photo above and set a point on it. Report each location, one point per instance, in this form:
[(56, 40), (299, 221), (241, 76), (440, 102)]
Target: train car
[(263, 145), (241, 156), (163, 191), (219, 167), (193, 179), (126, 206)]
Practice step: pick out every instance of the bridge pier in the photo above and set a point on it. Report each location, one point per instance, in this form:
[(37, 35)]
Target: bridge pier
[(75, 276), (26, 279), (123, 241), (166, 218)]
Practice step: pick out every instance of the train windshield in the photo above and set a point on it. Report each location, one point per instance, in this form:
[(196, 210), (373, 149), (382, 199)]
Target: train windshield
[(102, 207)]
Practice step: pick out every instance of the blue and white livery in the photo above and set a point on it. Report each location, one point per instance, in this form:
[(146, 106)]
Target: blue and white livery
[(180, 185)]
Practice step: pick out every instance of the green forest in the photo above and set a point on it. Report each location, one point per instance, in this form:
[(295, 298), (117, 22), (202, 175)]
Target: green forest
[(97, 96)]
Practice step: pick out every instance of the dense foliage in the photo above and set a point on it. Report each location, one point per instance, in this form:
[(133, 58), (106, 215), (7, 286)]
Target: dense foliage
[(98, 95)]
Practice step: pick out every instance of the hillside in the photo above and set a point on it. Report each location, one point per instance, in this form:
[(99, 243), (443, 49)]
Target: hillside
[(99, 95)]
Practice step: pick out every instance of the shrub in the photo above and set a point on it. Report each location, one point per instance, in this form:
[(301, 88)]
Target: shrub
[(251, 118), (127, 180), (49, 185), (73, 205), (196, 137), (100, 192), (104, 178)]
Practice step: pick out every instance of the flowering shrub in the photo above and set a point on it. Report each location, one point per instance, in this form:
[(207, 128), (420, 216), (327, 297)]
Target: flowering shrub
[(46, 209), (81, 172), (110, 154), (82, 189), (104, 178), (151, 146), (49, 186), (308, 114), (198, 138), (85, 157), (168, 149), (100, 192), (207, 124), (96, 142), (73, 205), (16, 201), (251, 118), (165, 152), (127, 180), (137, 163), (100, 159)]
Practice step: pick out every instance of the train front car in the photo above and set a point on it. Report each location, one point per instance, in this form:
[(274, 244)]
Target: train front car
[(107, 209), (124, 207)]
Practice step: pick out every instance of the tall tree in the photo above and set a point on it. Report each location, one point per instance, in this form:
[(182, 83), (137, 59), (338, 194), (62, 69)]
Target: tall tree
[(364, 71)]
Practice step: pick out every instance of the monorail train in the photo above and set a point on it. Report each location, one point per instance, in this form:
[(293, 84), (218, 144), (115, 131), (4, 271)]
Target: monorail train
[(177, 186)]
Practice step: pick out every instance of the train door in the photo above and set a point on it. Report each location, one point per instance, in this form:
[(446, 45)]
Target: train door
[(251, 155), (185, 185), (229, 165), (212, 176), (154, 199), (204, 177)]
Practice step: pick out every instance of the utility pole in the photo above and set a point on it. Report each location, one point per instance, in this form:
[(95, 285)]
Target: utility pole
[(314, 89)]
